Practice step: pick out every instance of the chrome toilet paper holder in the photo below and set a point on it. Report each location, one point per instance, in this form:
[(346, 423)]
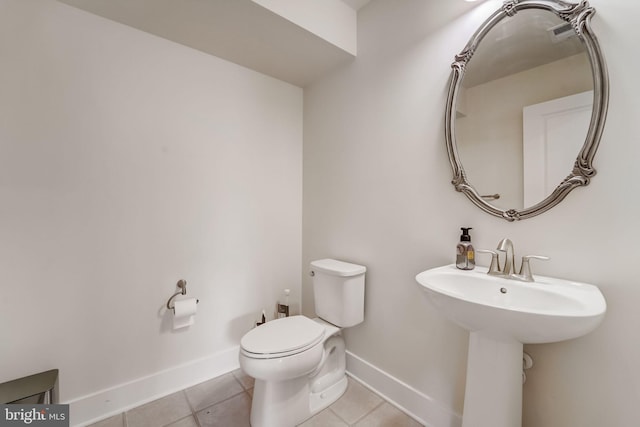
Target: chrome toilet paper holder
[(182, 284)]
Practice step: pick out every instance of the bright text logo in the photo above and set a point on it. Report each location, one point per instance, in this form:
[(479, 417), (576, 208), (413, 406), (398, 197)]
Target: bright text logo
[(34, 415)]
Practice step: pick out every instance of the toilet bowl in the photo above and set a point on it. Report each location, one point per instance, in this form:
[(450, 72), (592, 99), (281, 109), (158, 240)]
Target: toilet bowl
[(299, 363), (297, 378)]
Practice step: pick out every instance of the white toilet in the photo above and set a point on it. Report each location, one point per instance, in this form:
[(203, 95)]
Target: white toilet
[(299, 363)]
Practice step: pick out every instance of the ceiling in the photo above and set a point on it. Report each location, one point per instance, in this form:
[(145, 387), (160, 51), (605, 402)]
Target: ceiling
[(356, 4), (240, 31)]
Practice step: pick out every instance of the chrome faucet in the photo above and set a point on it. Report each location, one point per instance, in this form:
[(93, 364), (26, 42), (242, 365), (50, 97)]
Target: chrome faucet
[(505, 246), (508, 272)]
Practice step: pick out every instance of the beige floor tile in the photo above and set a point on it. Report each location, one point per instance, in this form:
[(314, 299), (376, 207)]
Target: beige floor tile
[(115, 421), (213, 391), (355, 403), (233, 412), (246, 381), (160, 412), (226, 402), (185, 422), (387, 415), (324, 418)]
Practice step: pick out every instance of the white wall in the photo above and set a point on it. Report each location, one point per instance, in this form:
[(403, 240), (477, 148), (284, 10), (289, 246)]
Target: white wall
[(377, 191), (128, 162)]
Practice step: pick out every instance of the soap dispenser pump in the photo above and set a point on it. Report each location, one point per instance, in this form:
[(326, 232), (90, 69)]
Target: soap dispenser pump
[(465, 257)]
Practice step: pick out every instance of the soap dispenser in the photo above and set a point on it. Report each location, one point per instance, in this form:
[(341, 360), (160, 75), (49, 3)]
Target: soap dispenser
[(465, 257)]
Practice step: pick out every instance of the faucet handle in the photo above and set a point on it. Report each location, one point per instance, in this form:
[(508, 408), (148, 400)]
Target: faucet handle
[(494, 268), (525, 268)]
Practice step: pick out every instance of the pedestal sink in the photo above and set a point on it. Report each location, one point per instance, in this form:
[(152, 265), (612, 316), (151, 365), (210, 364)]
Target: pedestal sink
[(501, 315)]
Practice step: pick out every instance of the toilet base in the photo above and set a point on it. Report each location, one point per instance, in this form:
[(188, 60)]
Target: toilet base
[(280, 404), (288, 403), (319, 401)]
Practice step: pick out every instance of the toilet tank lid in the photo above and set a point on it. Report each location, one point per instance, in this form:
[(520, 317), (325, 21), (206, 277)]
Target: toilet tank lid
[(337, 268)]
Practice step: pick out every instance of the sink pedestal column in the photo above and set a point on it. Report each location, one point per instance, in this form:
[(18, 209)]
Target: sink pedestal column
[(493, 394)]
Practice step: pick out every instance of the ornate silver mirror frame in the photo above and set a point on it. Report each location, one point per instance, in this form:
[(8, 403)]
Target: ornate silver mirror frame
[(579, 15)]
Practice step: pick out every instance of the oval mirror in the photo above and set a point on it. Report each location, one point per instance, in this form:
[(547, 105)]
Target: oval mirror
[(526, 107)]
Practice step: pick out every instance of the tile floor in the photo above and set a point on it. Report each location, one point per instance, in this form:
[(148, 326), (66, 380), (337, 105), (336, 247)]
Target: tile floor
[(226, 401)]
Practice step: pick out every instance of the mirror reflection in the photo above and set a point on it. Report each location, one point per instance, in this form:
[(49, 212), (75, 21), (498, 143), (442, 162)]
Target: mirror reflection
[(523, 108)]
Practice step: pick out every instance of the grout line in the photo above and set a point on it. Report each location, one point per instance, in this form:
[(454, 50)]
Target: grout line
[(336, 414), (368, 413), (222, 401), (184, 393), (386, 399), (368, 390), (180, 419), (238, 381), (193, 412)]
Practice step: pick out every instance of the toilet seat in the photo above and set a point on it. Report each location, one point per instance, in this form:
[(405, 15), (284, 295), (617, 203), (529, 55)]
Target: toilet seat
[(282, 337)]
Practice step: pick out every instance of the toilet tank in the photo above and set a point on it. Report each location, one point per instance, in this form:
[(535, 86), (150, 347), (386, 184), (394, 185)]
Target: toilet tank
[(338, 290)]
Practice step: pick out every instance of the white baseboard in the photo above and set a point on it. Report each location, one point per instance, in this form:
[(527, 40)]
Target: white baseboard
[(112, 401), (414, 403)]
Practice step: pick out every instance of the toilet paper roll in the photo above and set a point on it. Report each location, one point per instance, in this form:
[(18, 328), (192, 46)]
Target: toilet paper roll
[(184, 311)]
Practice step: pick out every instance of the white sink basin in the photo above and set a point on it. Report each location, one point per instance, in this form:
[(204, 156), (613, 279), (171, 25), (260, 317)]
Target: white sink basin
[(502, 315), (546, 310)]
